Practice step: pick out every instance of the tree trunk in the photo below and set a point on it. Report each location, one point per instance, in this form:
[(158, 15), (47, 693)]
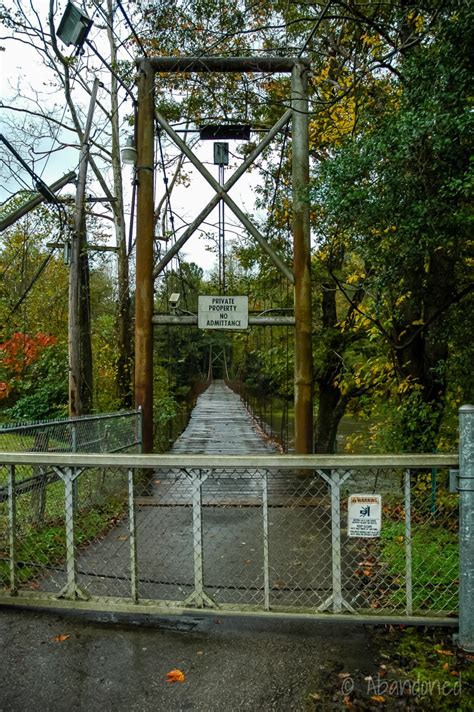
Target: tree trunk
[(123, 317)]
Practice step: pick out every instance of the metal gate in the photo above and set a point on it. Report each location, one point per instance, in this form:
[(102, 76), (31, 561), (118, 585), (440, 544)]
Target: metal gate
[(264, 534)]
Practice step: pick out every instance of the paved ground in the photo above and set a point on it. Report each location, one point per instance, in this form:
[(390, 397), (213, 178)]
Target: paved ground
[(229, 664)]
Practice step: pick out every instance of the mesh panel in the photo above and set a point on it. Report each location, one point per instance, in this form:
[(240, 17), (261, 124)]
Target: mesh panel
[(269, 539), (111, 432)]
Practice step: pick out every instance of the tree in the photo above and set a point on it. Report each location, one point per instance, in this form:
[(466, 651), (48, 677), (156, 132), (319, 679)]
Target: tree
[(401, 191), (70, 76)]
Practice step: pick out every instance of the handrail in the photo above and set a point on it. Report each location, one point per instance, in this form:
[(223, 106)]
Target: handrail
[(131, 460)]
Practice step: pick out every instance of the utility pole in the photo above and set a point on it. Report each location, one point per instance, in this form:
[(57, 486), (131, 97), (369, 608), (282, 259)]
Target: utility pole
[(79, 344)]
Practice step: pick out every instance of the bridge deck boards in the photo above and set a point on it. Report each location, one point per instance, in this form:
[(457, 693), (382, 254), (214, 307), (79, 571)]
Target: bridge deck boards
[(221, 425)]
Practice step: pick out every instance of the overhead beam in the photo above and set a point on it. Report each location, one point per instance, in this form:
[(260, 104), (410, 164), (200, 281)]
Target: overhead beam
[(222, 64), (192, 320)]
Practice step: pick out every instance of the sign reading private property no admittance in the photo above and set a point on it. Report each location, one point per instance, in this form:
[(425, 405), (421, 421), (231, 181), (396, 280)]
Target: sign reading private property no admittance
[(223, 312), (364, 515)]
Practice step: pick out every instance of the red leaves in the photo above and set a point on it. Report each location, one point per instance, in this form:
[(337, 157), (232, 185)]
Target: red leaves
[(16, 354), (21, 350)]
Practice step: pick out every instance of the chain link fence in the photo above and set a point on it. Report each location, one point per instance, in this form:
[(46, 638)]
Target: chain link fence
[(38, 490), (108, 432), (269, 537)]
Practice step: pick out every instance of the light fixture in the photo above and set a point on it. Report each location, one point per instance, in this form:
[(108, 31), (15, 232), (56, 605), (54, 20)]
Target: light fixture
[(74, 26), (129, 152)]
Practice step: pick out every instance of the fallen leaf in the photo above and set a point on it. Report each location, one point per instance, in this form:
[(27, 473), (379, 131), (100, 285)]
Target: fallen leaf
[(61, 638), (446, 666), (175, 676), (343, 675), (378, 698), (200, 652), (443, 652), (157, 482), (382, 671), (122, 538), (454, 673), (279, 584), (347, 703), (314, 696), (248, 561)]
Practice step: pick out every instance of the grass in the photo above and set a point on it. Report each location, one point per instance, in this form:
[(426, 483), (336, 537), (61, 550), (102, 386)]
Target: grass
[(441, 675), (435, 564), (44, 546)]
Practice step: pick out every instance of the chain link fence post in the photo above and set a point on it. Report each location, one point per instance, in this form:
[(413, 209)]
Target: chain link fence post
[(12, 527), (466, 527)]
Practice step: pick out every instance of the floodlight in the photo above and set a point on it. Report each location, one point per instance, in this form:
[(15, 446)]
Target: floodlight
[(129, 152), (74, 26)]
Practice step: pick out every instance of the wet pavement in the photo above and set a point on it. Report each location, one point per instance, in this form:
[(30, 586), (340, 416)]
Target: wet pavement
[(115, 664)]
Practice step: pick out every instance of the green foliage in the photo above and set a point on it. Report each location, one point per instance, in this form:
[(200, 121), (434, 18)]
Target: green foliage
[(397, 194), (444, 676)]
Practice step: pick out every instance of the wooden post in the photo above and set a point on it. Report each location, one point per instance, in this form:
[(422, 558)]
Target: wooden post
[(302, 265), (144, 267)]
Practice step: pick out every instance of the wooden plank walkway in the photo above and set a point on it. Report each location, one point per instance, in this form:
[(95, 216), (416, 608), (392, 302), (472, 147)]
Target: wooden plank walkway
[(221, 425)]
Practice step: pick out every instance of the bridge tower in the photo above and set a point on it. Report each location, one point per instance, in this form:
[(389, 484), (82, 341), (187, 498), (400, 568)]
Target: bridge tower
[(300, 274)]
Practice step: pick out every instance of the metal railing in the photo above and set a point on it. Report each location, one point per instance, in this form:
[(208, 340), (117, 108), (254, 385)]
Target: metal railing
[(255, 534), (107, 432)]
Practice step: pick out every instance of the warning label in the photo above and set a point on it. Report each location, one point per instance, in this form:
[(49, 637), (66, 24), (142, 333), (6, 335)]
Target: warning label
[(364, 515)]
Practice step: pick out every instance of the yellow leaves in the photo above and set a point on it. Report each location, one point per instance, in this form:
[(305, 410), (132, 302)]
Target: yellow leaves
[(332, 127), (373, 42), (61, 638), (355, 278), (402, 298), (370, 40), (416, 21), (175, 675)]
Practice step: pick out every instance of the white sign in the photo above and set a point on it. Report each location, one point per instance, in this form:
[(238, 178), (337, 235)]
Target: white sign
[(364, 515), (223, 312)]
